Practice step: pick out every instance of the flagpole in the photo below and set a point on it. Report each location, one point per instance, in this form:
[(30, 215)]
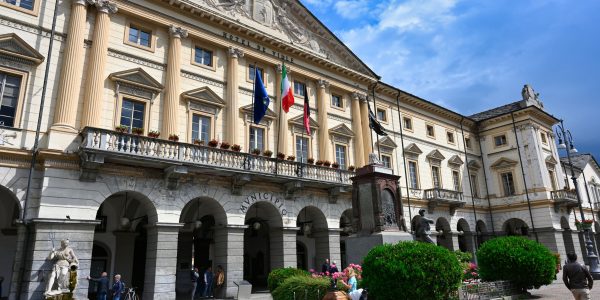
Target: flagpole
[(279, 121), (377, 134), (404, 160), (253, 96)]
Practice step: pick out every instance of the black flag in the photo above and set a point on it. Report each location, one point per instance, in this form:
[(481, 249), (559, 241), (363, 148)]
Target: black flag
[(374, 124)]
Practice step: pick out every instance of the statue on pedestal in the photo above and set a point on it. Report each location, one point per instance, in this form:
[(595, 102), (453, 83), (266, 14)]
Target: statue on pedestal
[(61, 274), (422, 228)]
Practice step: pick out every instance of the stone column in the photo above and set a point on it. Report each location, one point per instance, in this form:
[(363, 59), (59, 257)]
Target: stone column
[(232, 96), (69, 85), (332, 236), (94, 87), (454, 236), (366, 130), (283, 130), (283, 247), (323, 105), (161, 261), (229, 252), (357, 127), (172, 89)]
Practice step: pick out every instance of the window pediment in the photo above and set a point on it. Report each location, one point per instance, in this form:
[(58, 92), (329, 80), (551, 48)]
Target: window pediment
[(205, 96), (436, 155), (413, 149), (503, 163), (550, 160), (341, 130), (12, 46), (456, 161), (387, 144), (474, 165), (136, 82), (299, 121), (248, 111)]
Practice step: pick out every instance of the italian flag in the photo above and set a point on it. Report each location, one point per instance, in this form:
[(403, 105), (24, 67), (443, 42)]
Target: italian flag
[(287, 94)]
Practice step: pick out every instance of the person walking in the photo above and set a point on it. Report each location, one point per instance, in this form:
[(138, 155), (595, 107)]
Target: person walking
[(577, 278), (195, 275), (117, 287), (219, 281), (208, 282), (326, 267), (333, 268), (102, 285)]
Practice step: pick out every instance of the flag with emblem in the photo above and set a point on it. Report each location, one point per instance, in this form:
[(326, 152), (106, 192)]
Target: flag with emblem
[(261, 98)]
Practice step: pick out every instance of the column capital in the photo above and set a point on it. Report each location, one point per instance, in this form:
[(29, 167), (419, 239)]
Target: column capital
[(321, 83), (80, 2), (177, 32), (236, 52), (358, 96), (104, 6), (279, 69)]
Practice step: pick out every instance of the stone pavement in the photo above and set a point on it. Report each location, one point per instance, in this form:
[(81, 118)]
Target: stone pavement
[(558, 291)]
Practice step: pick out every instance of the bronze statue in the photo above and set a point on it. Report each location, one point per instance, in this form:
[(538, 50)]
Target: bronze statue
[(422, 228)]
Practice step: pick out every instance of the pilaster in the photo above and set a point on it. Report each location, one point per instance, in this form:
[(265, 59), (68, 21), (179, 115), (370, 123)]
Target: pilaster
[(232, 245), (172, 84), (366, 130), (161, 261), (359, 156), (232, 95), (94, 87), (323, 104)]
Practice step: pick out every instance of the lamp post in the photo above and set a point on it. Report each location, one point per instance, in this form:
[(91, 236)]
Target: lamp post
[(565, 142)]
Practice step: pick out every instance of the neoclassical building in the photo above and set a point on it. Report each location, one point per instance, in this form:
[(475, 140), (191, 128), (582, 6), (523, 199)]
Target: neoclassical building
[(86, 88)]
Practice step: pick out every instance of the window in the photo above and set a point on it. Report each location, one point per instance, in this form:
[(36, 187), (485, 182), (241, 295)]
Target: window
[(450, 137), (260, 70), (468, 143), (412, 170), (204, 57), (381, 114), (435, 176), (340, 155), (430, 131), (456, 180), (474, 186), (299, 88), (552, 179), (257, 138), (301, 149), (10, 91), (508, 184), (201, 128), (24, 4), (500, 140), (336, 101), (132, 114), (544, 138), (140, 36), (387, 161), (407, 123)]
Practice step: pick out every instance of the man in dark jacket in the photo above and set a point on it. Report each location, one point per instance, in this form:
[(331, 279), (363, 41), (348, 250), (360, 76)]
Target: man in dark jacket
[(326, 266), (102, 285), (577, 278), (118, 287)]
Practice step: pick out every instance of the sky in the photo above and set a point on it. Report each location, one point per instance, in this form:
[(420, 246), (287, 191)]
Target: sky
[(470, 56)]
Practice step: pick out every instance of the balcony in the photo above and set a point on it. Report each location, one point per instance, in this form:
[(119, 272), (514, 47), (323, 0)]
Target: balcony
[(439, 196), (564, 198), (177, 159)]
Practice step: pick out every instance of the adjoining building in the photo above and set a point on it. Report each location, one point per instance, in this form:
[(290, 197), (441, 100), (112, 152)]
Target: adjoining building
[(150, 208)]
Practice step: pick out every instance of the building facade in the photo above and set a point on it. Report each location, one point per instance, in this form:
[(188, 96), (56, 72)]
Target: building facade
[(147, 102)]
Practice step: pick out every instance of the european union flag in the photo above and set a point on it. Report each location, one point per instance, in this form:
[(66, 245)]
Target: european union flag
[(261, 98)]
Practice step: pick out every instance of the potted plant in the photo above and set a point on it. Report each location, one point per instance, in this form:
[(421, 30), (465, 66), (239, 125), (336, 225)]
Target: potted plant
[(198, 142), (335, 165), (319, 162), (173, 137), (225, 145), (137, 130), (291, 158), (327, 163), (280, 155), (267, 153), (351, 168), (236, 148), (586, 224), (153, 133), (310, 161), (121, 128), (256, 151), (213, 143)]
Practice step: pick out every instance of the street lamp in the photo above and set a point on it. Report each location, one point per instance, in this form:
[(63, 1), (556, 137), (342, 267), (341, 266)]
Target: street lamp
[(565, 142)]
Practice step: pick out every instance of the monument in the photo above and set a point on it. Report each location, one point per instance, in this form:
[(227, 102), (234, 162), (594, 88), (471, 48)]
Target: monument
[(422, 228), (63, 277), (376, 210)]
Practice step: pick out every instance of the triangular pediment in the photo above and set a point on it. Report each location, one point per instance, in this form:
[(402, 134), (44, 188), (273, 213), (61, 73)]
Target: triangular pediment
[(413, 149), (474, 165), (436, 155), (204, 95), (137, 77), (249, 110), (551, 160), (12, 45), (299, 121), (342, 130), (455, 160), (387, 142), (504, 163)]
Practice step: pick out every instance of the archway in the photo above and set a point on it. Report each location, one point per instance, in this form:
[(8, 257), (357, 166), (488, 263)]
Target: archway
[(100, 263), (346, 221), (515, 227), (9, 214), (301, 256), (444, 237), (465, 236), (482, 234), (202, 240), (567, 235), (124, 218), (314, 234), (263, 243)]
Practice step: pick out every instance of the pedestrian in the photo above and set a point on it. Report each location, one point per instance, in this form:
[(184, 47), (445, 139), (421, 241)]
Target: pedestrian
[(102, 285), (577, 278), (333, 268), (219, 281), (195, 275), (326, 267), (208, 282), (117, 287)]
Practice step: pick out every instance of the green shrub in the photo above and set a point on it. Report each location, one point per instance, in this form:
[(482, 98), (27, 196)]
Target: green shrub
[(304, 287), (463, 257), (525, 263), (411, 270), (278, 276)]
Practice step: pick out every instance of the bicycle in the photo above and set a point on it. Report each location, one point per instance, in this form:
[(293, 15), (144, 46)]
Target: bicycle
[(131, 295)]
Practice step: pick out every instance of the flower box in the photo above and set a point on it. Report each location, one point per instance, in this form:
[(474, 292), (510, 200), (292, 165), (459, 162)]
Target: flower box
[(137, 130), (173, 138), (236, 148), (153, 134), (327, 163), (198, 142), (310, 161), (213, 143), (319, 163), (281, 155), (256, 151), (267, 153), (291, 158), (351, 168), (225, 145), (335, 165), (121, 129)]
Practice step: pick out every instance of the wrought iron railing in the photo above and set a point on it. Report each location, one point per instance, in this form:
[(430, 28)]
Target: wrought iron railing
[(113, 142)]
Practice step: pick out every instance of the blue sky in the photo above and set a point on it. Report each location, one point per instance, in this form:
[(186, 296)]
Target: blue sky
[(470, 56)]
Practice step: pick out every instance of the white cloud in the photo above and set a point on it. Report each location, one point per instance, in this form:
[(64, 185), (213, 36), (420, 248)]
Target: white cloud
[(352, 9), (417, 14)]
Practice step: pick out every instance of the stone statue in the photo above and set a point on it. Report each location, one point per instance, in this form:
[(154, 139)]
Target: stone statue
[(374, 159), (422, 228), (65, 261), (528, 93)]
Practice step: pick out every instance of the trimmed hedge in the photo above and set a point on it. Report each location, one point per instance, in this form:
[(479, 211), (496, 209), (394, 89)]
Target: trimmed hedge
[(411, 270), (278, 276), (304, 287), (527, 264)]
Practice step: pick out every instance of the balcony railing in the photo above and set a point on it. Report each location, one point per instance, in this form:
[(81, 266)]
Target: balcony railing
[(112, 144), (438, 196), (564, 198)]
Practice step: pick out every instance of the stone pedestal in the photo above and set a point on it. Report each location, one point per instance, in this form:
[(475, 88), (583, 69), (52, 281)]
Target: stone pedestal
[(357, 247)]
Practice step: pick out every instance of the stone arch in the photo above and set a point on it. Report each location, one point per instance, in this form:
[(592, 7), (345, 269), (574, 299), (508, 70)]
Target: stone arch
[(481, 231), (515, 226), (10, 212), (444, 238), (465, 236), (346, 227), (314, 234)]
